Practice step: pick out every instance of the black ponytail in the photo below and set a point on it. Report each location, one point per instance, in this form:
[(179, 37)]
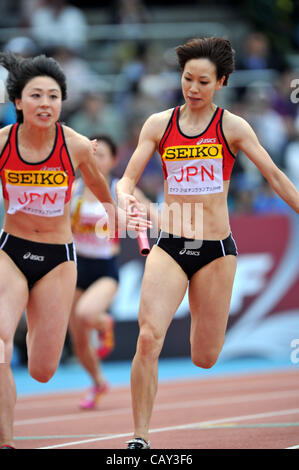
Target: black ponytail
[(22, 70)]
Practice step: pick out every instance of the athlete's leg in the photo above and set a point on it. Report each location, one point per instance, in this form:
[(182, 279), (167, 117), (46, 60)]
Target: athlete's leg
[(48, 313), (13, 299), (90, 311), (83, 349), (210, 292), (92, 307), (163, 289)]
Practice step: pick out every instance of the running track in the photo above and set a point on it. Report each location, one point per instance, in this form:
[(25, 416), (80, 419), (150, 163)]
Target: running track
[(255, 410)]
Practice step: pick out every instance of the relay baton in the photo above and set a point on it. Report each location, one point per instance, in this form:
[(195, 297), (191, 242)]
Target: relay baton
[(143, 243), (142, 240)]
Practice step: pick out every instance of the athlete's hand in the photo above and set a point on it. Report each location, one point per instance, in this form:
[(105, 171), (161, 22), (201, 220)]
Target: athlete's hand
[(132, 213)]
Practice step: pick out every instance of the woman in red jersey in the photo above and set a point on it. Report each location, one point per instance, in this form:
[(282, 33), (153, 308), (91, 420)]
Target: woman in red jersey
[(38, 272), (98, 272), (198, 143)]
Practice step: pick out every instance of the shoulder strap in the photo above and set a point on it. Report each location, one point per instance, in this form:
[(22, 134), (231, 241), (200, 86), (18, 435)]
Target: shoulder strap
[(168, 128), (9, 144)]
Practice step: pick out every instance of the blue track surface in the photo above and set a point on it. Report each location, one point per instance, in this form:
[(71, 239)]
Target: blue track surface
[(72, 376)]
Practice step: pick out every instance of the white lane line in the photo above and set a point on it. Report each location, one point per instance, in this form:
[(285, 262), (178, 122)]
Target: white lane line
[(55, 401), (166, 406), (180, 427)]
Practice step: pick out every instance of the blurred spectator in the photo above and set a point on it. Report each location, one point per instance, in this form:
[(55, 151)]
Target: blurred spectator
[(130, 15), (27, 9), (281, 100), (258, 54), (267, 123), (132, 70), (127, 147), (98, 117), (267, 201), (130, 12), (57, 22), (291, 161), (25, 47), (22, 45), (140, 97), (9, 13), (243, 185), (296, 38), (163, 82), (296, 123), (151, 181), (242, 203), (81, 78), (141, 104)]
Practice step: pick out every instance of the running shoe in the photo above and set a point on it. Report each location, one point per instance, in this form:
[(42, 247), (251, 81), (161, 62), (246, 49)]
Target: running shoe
[(106, 338), (93, 395), (138, 443)]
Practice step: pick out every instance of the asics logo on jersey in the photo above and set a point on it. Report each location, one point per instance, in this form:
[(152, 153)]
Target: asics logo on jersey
[(32, 257), (206, 141)]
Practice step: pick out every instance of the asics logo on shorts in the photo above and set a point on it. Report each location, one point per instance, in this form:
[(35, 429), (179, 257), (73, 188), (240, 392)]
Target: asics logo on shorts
[(184, 251), (32, 257)]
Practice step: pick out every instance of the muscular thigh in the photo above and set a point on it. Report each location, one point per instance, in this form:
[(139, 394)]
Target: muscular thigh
[(13, 296), (49, 310), (98, 297), (163, 288), (210, 292)]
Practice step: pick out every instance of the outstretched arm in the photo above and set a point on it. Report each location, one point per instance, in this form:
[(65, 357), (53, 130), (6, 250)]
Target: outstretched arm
[(126, 187), (96, 182)]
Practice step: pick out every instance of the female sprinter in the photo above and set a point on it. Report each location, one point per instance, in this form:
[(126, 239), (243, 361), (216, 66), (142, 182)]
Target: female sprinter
[(98, 272), (198, 143), (38, 272)]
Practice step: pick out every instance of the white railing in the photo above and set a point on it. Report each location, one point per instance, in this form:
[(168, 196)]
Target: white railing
[(150, 31)]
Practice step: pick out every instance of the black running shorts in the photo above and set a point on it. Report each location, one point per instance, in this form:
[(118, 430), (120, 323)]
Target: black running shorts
[(193, 255), (35, 259)]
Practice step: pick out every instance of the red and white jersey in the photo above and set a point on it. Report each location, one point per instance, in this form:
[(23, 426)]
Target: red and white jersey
[(195, 164), (41, 188), (90, 225)]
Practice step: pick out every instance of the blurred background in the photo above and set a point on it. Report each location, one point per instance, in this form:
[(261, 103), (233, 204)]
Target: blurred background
[(120, 64)]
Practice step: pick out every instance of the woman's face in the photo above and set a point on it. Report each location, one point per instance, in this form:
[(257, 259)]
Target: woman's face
[(199, 82), (40, 101), (105, 159)]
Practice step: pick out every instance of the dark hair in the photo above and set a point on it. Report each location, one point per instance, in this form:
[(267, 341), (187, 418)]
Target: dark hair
[(21, 70), (217, 50), (107, 140)]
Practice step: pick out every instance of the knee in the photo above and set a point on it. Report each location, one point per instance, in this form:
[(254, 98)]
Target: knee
[(41, 373), (82, 317), (6, 350), (205, 360), (149, 343), (87, 316)]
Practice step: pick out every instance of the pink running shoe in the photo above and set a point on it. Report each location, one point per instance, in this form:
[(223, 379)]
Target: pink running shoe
[(93, 395), (106, 339)]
